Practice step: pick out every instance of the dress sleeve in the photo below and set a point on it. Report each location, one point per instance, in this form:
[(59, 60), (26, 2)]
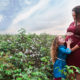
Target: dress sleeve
[(65, 51)]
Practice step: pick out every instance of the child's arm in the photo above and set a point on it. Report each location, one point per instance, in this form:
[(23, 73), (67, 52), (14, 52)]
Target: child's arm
[(68, 49), (68, 43)]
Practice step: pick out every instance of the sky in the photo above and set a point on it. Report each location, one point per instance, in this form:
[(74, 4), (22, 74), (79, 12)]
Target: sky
[(36, 16)]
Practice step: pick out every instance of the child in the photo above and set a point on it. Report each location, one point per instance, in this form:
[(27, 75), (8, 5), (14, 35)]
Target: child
[(59, 53)]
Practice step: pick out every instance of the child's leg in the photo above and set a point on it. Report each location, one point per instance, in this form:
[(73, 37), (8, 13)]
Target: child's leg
[(57, 79)]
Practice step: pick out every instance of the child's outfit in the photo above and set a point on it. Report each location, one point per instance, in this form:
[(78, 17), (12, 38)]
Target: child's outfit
[(60, 62)]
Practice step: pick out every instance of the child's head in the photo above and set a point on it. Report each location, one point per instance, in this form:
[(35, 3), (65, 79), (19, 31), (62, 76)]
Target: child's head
[(58, 40), (61, 40)]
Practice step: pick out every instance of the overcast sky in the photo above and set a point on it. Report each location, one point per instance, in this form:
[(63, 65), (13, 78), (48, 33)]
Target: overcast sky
[(36, 16)]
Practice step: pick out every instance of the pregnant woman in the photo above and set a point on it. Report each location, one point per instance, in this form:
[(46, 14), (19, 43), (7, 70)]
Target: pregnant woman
[(73, 32)]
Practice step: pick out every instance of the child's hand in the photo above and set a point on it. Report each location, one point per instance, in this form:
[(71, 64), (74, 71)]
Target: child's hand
[(69, 41)]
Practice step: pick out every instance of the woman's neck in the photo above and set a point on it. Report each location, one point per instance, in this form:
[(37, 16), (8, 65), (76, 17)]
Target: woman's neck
[(78, 23)]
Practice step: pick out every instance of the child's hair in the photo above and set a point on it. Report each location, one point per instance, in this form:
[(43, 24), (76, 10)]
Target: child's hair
[(54, 49)]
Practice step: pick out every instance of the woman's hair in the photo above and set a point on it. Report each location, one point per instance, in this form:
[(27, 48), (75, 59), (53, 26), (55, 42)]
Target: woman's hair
[(54, 49), (77, 11)]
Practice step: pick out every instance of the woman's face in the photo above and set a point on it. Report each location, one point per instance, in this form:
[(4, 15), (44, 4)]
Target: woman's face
[(74, 15)]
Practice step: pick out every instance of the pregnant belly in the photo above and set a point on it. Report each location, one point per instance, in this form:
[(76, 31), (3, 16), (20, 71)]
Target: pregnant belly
[(74, 57), (75, 40)]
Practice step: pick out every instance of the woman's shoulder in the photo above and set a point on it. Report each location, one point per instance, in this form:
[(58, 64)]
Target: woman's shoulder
[(71, 24)]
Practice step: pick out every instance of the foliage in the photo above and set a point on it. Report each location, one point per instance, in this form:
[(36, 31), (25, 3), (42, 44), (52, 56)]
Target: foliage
[(25, 56)]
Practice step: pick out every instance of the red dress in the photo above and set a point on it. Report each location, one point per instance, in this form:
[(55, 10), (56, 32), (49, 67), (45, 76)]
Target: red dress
[(74, 57)]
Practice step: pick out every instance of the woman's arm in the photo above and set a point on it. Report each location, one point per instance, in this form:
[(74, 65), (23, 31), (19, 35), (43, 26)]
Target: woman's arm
[(69, 33), (75, 48)]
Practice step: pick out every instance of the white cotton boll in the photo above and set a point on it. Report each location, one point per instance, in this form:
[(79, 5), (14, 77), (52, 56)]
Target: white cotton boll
[(10, 57)]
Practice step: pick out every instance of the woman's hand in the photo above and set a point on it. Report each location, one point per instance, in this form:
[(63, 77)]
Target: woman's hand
[(69, 34)]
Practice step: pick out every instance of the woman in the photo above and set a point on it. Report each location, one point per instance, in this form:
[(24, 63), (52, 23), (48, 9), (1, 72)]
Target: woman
[(73, 32)]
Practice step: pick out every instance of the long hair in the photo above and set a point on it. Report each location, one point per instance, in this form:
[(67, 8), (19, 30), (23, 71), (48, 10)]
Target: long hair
[(54, 49), (77, 11)]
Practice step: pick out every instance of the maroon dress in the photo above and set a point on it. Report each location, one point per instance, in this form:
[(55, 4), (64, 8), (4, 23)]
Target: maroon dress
[(74, 57)]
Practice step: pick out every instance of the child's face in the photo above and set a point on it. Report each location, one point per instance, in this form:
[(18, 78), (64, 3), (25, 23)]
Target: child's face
[(61, 40)]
